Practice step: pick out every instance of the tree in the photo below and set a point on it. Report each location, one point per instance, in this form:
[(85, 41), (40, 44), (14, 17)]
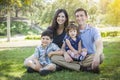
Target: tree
[(8, 5), (113, 13), (103, 4), (70, 6), (36, 10)]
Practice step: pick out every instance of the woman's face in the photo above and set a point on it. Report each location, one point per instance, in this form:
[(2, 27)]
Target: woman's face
[(61, 18)]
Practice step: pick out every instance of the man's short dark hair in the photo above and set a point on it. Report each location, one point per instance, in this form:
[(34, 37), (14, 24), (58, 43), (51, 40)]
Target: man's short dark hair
[(47, 33), (81, 9)]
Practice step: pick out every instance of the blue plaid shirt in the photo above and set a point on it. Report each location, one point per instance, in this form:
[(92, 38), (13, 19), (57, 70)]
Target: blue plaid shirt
[(42, 53)]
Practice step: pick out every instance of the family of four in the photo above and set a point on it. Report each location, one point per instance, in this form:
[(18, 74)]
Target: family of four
[(65, 45)]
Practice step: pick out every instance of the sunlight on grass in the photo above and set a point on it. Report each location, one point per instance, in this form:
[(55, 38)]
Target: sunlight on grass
[(16, 74), (3, 78), (111, 39)]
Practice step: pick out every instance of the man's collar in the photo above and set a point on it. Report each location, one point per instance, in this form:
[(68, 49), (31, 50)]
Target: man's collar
[(86, 28)]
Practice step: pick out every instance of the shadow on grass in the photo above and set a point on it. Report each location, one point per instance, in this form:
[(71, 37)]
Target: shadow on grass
[(61, 75), (8, 77)]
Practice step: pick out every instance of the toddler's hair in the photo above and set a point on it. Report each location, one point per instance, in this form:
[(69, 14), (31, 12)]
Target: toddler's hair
[(71, 26)]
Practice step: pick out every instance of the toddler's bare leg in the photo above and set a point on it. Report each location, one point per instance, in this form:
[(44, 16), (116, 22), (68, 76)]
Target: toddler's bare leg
[(71, 53)]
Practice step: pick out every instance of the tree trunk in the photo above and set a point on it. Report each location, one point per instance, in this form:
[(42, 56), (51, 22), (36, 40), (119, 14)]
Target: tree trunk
[(16, 12), (8, 26)]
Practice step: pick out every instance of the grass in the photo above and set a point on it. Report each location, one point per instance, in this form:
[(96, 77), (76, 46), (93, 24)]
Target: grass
[(11, 65)]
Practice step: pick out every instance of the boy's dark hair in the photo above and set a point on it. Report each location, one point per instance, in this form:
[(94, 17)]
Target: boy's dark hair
[(71, 26), (47, 33), (81, 9)]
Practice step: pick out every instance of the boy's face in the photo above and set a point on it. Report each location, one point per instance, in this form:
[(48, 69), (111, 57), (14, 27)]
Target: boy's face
[(81, 17), (72, 33), (45, 40)]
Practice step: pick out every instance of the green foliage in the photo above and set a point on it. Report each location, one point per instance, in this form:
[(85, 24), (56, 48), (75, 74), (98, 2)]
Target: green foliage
[(13, 3), (11, 65), (110, 33), (42, 11), (17, 28), (2, 29), (33, 37), (36, 11), (113, 13), (70, 5)]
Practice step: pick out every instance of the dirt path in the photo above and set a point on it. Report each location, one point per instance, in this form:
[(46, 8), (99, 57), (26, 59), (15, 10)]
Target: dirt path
[(18, 42)]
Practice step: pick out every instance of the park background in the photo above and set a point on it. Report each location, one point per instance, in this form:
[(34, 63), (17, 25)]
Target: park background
[(22, 21)]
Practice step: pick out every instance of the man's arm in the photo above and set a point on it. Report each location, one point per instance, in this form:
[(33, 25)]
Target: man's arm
[(99, 51), (79, 47)]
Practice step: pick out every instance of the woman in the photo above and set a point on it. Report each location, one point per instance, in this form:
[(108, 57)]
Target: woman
[(59, 23)]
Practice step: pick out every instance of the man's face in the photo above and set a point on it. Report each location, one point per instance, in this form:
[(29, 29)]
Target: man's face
[(81, 17)]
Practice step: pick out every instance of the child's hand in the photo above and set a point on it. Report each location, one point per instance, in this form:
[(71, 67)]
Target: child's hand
[(75, 52), (60, 52), (50, 54), (84, 50)]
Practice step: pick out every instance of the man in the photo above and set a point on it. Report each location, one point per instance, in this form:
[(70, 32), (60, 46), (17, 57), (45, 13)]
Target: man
[(91, 40)]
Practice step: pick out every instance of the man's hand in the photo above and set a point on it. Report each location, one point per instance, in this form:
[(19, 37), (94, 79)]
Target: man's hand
[(99, 51), (96, 62), (67, 57)]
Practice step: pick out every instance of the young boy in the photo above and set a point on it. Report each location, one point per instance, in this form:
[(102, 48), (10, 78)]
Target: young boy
[(40, 60), (73, 43)]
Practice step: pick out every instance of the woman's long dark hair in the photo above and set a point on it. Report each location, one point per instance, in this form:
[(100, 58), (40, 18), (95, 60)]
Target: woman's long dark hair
[(54, 25)]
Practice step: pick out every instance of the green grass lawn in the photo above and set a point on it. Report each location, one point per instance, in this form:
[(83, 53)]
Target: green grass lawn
[(11, 65)]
